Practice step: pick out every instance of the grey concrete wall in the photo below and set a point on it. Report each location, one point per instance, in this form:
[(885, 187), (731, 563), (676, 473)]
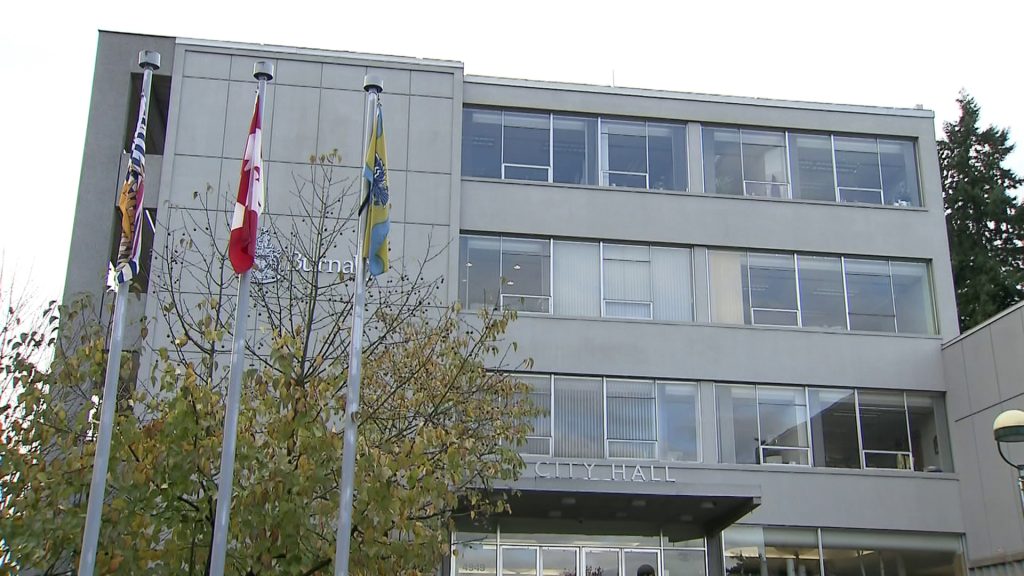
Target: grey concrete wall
[(984, 371), (104, 164)]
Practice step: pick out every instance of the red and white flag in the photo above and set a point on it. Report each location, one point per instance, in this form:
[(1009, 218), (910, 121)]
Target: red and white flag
[(249, 206)]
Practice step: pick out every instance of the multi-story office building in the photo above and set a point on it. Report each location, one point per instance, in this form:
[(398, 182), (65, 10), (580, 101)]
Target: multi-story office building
[(735, 307)]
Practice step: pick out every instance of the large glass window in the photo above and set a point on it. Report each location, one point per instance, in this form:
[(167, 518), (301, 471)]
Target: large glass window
[(874, 553), (814, 176), (544, 147), (513, 273), (526, 146), (876, 171), (475, 559), (834, 433), (575, 150), (519, 273), (820, 291), (929, 436), (745, 162), (884, 430), (762, 424), (756, 551), (614, 418), (678, 406)]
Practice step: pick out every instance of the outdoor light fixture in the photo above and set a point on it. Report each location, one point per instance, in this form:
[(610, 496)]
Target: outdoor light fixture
[(1009, 427)]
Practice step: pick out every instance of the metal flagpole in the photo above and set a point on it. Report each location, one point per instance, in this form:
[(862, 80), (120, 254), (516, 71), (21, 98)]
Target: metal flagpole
[(148, 61), (373, 87), (263, 71)]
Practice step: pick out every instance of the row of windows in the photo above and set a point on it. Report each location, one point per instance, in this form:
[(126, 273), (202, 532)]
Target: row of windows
[(590, 150), (596, 418), (747, 550), (603, 279)]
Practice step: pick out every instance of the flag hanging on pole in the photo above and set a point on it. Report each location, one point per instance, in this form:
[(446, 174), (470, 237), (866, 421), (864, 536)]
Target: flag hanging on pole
[(249, 206), (375, 241), (130, 202)]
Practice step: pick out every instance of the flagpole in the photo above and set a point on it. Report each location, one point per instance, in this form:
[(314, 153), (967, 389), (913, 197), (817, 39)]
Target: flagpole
[(373, 87), (148, 61), (262, 71)]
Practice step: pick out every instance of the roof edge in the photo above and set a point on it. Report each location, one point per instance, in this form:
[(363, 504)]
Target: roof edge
[(698, 97), (985, 324)]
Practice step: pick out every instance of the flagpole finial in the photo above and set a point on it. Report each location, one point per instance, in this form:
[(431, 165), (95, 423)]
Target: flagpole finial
[(263, 70), (149, 59), (373, 83)]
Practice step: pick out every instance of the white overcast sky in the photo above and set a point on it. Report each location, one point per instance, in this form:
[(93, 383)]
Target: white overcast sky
[(885, 53)]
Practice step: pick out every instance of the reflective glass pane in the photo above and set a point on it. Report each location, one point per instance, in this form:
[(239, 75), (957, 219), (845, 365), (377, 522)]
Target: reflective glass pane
[(857, 163), (579, 424), (899, 172), (666, 145), (773, 317), (627, 274), (632, 449), (723, 173), (640, 563), (481, 143), (575, 152), (479, 272), (929, 437), (877, 553), (526, 267), (601, 563), (765, 189), (677, 422), (913, 298), (684, 563), (620, 309), (539, 304), (540, 398), (624, 146), (783, 413), (527, 139), (671, 283), (744, 551), (811, 165), (476, 559), (791, 551), (518, 561), (822, 300), (869, 295), (558, 562), (772, 282), (834, 428), (860, 195), (764, 156), (883, 421), (737, 424)]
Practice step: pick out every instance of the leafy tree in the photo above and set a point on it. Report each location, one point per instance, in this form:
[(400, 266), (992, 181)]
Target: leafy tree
[(984, 222), (438, 423)]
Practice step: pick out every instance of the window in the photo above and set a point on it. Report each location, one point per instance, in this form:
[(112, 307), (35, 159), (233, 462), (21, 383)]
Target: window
[(756, 551), (475, 559), (140, 283), (762, 425), (745, 162), (613, 418), (874, 553), (766, 424), (820, 291), (531, 275), (834, 428), (823, 167), (511, 273), (156, 119), (544, 147), (632, 421)]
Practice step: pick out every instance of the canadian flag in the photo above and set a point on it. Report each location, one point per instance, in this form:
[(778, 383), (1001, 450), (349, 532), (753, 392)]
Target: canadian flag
[(249, 206)]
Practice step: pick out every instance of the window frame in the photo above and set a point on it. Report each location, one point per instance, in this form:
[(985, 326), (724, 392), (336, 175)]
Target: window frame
[(604, 300), (787, 134)]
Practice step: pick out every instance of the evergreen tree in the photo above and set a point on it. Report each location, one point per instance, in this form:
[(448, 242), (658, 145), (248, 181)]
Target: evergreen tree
[(984, 222)]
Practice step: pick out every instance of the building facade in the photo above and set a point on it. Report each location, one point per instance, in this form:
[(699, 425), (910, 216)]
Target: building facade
[(735, 307)]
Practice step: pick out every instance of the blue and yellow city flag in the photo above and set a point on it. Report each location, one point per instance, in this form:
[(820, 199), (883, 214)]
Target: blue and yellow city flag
[(375, 240)]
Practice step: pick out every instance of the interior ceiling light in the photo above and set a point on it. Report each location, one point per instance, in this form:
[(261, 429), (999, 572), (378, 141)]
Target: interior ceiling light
[(517, 267), (510, 283), (469, 264)]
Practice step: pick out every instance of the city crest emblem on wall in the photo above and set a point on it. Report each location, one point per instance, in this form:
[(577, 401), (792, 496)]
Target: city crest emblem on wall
[(268, 259)]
